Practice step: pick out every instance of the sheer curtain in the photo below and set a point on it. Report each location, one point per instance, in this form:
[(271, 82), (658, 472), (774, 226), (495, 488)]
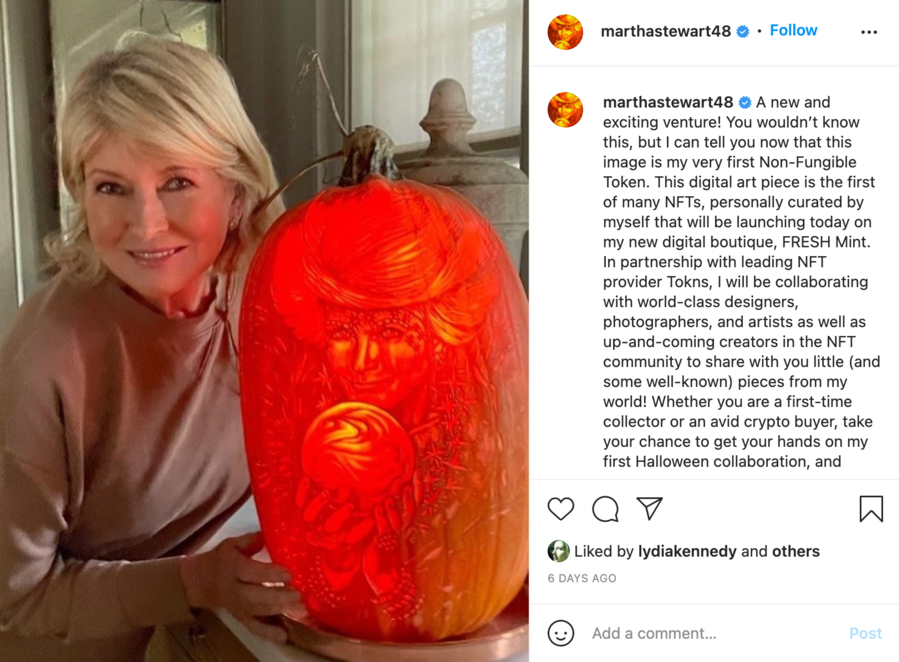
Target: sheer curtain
[(400, 48)]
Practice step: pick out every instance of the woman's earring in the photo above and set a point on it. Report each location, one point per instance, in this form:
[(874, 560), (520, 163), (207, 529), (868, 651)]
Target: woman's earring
[(232, 225)]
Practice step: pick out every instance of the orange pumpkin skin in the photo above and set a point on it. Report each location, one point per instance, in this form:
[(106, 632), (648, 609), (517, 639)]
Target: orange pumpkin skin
[(383, 371)]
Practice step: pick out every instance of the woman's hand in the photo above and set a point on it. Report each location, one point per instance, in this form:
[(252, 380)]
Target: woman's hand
[(228, 577)]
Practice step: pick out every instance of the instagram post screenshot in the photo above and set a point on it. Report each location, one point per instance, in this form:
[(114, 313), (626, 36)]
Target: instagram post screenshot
[(270, 388), (713, 457)]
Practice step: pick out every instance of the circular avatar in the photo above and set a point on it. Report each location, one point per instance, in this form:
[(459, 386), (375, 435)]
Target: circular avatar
[(558, 550), (565, 32), (565, 109)]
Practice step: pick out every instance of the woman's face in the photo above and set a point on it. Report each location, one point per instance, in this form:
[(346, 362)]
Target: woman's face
[(157, 223), (379, 356)]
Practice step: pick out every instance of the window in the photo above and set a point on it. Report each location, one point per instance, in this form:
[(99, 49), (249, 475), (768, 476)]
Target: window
[(400, 48)]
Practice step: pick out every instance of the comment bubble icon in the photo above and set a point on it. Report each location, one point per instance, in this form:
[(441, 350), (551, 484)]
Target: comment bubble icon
[(605, 509)]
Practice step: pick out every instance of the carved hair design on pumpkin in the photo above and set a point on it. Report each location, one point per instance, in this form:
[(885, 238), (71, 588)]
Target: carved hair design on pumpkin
[(412, 249)]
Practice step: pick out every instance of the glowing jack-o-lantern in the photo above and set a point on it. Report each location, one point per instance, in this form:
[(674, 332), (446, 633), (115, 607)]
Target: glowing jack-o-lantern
[(383, 366)]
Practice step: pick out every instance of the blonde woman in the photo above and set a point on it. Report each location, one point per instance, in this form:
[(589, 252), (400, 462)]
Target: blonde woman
[(122, 449)]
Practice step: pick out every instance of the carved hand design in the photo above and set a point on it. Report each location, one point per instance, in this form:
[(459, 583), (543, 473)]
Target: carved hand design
[(371, 541)]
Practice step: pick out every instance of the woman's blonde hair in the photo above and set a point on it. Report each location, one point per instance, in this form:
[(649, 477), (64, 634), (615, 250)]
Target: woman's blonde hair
[(172, 99)]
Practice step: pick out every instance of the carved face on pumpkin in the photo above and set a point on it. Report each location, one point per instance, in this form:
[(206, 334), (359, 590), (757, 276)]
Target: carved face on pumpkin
[(378, 356)]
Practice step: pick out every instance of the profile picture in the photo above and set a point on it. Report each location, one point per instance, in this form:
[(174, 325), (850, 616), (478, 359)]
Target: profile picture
[(565, 109), (558, 550), (565, 32)]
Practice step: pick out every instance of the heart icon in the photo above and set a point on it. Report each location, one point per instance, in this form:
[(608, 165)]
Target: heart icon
[(561, 508)]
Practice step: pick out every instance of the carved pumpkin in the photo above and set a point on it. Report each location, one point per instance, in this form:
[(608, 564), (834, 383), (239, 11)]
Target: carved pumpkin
[(383, 370)]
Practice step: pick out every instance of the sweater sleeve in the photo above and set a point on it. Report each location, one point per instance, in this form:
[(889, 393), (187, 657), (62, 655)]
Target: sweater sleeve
[(43, 593)]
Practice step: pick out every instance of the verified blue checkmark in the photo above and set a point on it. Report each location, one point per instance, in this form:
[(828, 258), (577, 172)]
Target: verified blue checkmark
[(742, 32), (745, 102)]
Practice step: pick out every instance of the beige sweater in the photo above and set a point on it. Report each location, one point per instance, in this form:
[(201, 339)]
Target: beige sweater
[(121, 449)]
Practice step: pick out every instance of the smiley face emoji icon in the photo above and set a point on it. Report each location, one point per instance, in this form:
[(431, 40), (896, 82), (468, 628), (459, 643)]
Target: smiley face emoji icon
[(561, 633)]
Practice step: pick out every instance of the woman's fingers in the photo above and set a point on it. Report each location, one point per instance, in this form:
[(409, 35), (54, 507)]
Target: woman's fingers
[(274, 633), (254, 600), (257, 572), (227, 577), (249, 544)]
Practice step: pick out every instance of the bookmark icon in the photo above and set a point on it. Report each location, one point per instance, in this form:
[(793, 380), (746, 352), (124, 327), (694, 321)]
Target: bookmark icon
[(651, 504), (870, 505)]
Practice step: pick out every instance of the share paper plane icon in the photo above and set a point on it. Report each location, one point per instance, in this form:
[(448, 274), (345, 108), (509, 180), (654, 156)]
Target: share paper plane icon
[(651, 504)]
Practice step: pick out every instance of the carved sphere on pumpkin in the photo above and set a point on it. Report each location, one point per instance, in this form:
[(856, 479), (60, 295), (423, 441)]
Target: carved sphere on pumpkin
[(358, 447)]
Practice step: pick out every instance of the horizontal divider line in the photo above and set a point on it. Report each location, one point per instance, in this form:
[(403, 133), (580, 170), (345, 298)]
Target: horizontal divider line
[(718, 604), (753, 66), (866, 480)]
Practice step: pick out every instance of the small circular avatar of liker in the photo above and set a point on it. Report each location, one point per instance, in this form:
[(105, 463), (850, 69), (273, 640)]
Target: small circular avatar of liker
[(565, 32), (565, 109), (558, 550)]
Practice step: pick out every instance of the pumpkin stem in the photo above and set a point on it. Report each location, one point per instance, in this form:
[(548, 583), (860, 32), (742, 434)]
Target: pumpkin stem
[(265, 203), (317, 60), (368, 150)]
